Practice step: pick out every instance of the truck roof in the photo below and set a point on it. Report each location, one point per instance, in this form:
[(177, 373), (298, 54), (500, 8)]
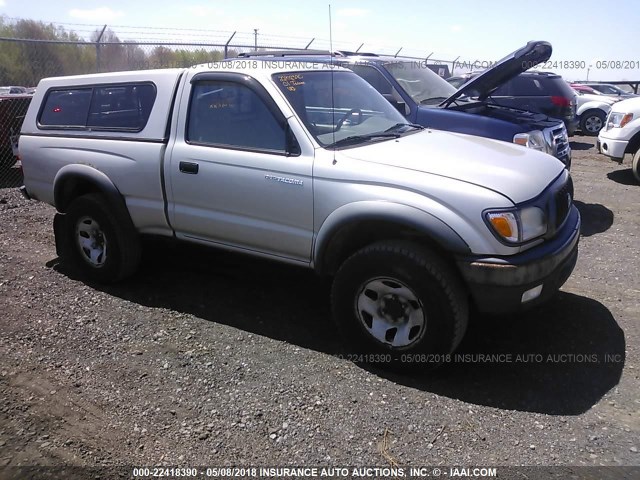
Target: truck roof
[(254, 67), (165, 82)]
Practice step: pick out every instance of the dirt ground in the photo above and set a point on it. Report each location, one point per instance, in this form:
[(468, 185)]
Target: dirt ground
[(208, 358)]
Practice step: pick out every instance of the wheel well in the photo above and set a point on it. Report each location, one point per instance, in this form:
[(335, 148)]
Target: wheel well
[(599, 110), (354, 236), (634, 144), (72, 188)]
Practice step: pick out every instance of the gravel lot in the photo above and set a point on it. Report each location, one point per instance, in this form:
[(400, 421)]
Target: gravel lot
[(209, 358)]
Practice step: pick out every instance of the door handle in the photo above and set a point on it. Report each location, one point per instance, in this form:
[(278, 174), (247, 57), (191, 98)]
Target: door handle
[(189, 167)]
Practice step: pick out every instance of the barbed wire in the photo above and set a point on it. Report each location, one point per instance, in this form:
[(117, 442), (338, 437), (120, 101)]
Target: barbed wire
[(192, 36)]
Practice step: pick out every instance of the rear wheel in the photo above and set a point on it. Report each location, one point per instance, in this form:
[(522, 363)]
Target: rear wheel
[(98, 240), (398, 303), (591, 122)]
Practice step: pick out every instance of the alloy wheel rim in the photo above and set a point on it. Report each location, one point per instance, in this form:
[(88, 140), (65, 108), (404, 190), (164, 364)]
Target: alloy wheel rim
[(593, 124)]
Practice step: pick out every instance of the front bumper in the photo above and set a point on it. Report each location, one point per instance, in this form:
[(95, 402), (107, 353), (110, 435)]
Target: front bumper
[(497, 285), (612, 147)]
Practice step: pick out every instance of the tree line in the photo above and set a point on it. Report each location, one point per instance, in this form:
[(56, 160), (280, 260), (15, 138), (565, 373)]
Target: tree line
[(25, 63)]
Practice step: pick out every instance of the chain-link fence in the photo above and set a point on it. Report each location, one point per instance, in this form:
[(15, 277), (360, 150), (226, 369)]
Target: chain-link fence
[(25, 61), (13, 107)]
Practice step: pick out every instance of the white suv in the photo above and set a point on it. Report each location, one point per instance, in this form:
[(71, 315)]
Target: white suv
[(621, 133)]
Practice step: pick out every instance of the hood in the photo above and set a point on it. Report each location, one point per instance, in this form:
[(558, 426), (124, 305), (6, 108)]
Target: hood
[(515, 171), (631, 105), (591, 97), (515, 63)]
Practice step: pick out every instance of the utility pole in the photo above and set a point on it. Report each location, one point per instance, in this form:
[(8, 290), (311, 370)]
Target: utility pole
[(255, 38)]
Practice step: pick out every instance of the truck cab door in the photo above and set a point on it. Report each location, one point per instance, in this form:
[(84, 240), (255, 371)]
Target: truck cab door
[(236, 175)]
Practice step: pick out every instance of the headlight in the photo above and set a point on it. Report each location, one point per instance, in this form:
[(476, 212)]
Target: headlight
[(534, 139), (618, 120), (518, 226)]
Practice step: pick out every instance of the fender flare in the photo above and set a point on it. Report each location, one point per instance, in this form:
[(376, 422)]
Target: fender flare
[(71, 177), (388, 212)]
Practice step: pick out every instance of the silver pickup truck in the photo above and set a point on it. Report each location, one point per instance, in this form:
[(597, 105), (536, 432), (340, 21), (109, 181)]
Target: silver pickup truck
[(306, 164)]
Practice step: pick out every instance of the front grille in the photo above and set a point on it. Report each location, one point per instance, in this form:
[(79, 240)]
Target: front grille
[(563, 200), (559, 141)]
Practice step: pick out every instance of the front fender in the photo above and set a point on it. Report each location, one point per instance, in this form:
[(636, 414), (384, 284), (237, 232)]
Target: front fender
[(593, 105), (384, 211)]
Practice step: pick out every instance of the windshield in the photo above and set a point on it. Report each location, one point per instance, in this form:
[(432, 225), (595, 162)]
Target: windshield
[(611, 89), (458, 81), (422, 84), (355, 110)]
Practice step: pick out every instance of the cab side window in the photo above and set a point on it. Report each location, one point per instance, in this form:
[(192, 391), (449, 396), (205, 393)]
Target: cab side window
[(233, 115), (68, 108), (122, 107)]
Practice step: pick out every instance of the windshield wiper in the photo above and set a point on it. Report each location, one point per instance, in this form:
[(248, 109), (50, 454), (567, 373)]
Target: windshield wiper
[(355, 139), (388, 133), (397, 126)]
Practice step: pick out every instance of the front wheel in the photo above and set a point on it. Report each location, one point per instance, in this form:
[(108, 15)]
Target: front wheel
[(393, 300), (591, 122), (99, 240)]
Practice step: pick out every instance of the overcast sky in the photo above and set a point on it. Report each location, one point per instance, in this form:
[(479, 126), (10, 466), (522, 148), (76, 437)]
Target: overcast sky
[(587, 32)]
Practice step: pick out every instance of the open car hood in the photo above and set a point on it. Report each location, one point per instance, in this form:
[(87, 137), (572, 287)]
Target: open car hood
[(515, 63)]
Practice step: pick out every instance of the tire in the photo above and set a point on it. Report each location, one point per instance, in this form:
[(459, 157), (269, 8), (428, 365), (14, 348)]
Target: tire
[(398, 303), (99, 240), (635, 165), (591, 122)]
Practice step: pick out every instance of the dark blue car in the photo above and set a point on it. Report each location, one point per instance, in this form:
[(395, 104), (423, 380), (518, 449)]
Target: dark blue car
[(426, 99)]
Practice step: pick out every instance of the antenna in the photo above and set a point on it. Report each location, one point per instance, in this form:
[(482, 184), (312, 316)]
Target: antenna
[(333, 106)]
